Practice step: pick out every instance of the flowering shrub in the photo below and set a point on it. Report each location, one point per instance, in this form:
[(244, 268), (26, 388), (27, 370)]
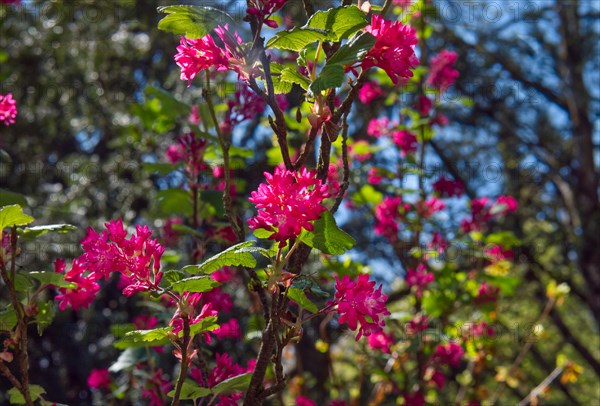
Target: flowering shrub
[(261, 294)]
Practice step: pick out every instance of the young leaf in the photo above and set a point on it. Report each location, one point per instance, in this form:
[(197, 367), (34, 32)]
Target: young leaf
[(13, 216), (340, 22), (142, 338), (298, 296), (354, 50), (191, 391), (191, 21), (237, 255), (52, 278), (234, 384), (327, 237), (44, 316), (30, 233), (296, 39), (16, 397), (290, 74), (8, 318), (203, 326), (7, 198), (195, 284), (331, 76)]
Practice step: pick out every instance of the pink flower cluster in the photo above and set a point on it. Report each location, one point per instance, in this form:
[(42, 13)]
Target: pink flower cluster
[(8, 109), (288, 202), (445, 187), (224, 369), (264, 9), (441, 75), (419, 279), (195, 55), (386, 217), (136, 258), (99, 379), (381, 341), (369, 92), (187, 309), (156, 389), (482, 212), (394, 49), (486, 294), (450, 354), (360, 305), (406, 141), (429, 207)]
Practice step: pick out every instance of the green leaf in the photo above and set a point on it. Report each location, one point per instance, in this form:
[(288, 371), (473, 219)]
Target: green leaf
[(162, 168), (234, 384), (327, 237), (237, 255), (298, 296), (340, 22), (22, 282), (296, 39), (52, 278), (13, 216), (203, 326), (331, 76), (44, 316), (30, 233), (195, 284), (8, 198), (215, 199), (262, 233), (16, 397), (172, 276), (354, 50), (367, 194), (175, 201), (128, 359), (142, 338), (506, 239), (8, 318), (191, 391), (291, 75), (191, 21)]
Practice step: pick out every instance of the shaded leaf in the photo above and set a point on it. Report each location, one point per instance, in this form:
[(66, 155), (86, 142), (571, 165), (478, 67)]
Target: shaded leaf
[(298, 296), (195, 284), (237, 255), (327, 237), (192, 21)]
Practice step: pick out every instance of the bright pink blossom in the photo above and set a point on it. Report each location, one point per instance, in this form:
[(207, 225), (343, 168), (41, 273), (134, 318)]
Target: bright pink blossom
[(304, 401), (438, 379), (264, 9), (438, 242), (441, 74), (85, 290), (450, 353), (99, 379), (429, 207), (419, 279), (156, 389), (486, 294), (387, 213), (379, 126), (418, 324), (224, 369), (445, 187), (288, 202), (424, 105), (381, 341), (8, 109), (414, 398), (229, 329), (393, 50), (402, 3), (505, 205), (358, 303), (369, 92), (374, 178), (406, 141), (496, 253)]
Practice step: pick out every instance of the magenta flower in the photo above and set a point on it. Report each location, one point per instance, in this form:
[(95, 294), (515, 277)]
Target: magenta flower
[(379, 126), (424, 105), (374, 177), (369, 92), (381, 341), (304, 401), (419, 279), (99, 379), (288, 202), (8, 109), (497, 253), (445, 187), (358, 303), (441, 75), (386, 217), (406, 141), (486, 294), (450, 354), (86, 287), (195, 55), (264, 9), (506, 204), (429, 207), (229, 329), (417, 325), (224, 369), (394, 49), (156, 389)]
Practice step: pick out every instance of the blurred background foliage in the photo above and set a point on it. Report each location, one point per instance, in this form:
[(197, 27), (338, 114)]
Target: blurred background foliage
[(89, 78)]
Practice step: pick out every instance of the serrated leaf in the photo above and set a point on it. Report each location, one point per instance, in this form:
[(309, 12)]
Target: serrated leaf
[(296, 39), (327, 237), (30, 233), (142, 338), (16, 397), (44, 316), (52, 278), (298, 296), (331, 76), (8, 318), (354, 50), (128, 358), (13, 216), (172, 276), (10, 198), (234, 384), (22, 282), (192, 21), (291, 75), (236, 255), (203, 326), (191, 391), (340, 22), (195, 284), (175, 202)]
